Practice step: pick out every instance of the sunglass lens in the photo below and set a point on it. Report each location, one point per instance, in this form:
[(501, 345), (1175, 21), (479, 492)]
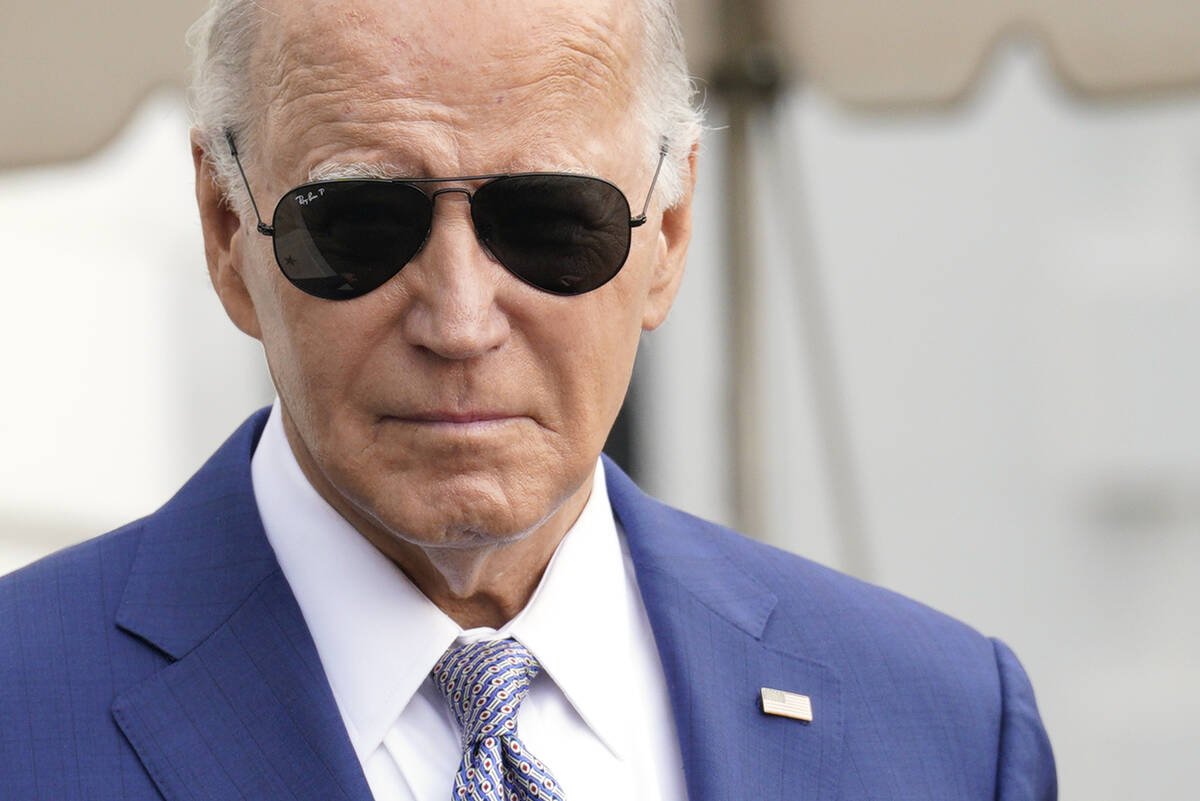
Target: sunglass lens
[(565, 234), (341, 239)]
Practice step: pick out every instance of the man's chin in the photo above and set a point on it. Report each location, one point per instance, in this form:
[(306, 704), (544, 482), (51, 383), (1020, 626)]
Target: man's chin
[(469, 524), (481, 506)]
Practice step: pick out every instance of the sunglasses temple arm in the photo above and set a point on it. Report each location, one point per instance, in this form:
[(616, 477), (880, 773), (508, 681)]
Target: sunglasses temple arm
[(263, 228), (662, 157)]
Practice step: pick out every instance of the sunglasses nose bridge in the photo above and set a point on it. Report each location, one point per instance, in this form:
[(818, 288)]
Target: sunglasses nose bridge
[(469, 196), (454, 221), (449, 190)]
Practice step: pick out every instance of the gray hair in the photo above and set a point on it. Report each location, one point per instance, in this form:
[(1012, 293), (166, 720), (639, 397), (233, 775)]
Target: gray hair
[(222, 41)]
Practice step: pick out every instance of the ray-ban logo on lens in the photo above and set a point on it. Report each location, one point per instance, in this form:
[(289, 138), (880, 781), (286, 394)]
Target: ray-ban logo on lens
[(308, 197)]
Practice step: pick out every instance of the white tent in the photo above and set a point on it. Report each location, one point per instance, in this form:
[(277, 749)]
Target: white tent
[(73, 72)]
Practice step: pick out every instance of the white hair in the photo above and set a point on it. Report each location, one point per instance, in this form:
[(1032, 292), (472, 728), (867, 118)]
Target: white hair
[(666, 96), (223, 38), (222, 42)]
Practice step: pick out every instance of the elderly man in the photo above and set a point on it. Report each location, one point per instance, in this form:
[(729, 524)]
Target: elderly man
[(448, 223)]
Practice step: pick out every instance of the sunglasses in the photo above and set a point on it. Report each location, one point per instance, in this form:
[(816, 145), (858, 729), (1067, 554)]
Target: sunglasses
[(559, 232)]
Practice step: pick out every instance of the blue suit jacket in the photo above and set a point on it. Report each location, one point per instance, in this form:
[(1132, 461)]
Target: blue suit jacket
[(169, 659)]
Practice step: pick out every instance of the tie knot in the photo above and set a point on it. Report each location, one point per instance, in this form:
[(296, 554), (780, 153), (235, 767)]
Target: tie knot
[(484, 683)]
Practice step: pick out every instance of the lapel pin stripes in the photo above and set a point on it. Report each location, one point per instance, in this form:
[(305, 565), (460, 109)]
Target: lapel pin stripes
[(788, 705)]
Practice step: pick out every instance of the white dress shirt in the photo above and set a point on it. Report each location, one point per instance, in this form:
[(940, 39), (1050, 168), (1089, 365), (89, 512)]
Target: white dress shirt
[(598, 715)]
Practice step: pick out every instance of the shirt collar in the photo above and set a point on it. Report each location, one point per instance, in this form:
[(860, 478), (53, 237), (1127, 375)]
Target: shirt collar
[(580, 621), (378, 636)]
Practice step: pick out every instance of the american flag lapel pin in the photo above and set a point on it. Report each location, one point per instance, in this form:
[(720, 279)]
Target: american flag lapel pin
[(787, 705)]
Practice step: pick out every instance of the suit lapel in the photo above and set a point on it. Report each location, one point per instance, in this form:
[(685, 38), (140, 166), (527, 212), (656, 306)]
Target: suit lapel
[(244, 709), (710, 621), (246, 714)]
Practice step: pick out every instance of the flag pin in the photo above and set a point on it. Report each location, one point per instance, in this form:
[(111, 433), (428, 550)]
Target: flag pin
[(788, 705)]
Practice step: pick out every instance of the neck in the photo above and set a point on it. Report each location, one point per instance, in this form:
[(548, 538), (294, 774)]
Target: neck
[(486, 585), (481, 587), (480, 579)]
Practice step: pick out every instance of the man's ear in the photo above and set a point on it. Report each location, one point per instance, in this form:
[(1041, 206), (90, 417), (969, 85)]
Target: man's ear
[(674, 235), (222, 226)]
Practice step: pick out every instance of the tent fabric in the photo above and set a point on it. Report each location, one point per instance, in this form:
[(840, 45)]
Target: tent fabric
[(74, 72), (920, 52)]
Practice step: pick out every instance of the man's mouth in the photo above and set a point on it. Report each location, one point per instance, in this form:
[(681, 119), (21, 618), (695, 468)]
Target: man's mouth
[(457, 418)]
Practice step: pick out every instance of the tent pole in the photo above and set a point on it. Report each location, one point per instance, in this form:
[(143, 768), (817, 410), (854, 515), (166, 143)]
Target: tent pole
[(746, 88), (751, 81)]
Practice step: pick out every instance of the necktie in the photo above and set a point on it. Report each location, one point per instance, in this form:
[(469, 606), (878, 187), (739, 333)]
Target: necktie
[(484, 683)]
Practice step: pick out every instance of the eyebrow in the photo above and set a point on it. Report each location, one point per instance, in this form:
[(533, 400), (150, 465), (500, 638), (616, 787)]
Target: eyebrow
[(332, 171)]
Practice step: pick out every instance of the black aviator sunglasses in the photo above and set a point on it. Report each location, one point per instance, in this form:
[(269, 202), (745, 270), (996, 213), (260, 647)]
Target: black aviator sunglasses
[(559, 232)]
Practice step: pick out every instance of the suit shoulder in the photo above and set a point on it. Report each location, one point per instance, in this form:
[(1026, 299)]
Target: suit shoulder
[(924, 691), (72, 589), (82, 559), (908, 661), (867, 621)]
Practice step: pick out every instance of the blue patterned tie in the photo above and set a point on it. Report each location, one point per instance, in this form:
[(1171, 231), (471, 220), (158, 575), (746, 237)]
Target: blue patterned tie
[(484, 683)]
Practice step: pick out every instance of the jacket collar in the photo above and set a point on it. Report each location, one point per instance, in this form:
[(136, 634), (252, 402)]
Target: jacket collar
[(722, 638), (665, 541), (244, 709), (201, 554)]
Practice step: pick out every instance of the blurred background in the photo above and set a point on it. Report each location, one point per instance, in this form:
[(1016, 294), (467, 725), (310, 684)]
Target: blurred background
[(941, 327)]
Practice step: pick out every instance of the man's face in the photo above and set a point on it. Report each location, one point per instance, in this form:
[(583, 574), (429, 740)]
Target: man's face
[(455, 405)]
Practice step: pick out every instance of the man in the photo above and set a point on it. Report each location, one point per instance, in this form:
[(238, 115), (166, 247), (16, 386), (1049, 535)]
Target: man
[(414, 578)]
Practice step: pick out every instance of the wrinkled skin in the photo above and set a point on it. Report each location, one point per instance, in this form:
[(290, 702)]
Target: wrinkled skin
[(454, 415)]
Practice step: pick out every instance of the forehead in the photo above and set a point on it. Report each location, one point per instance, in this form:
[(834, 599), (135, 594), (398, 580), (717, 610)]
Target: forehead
[(444, 84)]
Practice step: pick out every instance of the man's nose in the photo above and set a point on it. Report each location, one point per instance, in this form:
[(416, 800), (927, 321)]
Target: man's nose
[(454, 282)]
